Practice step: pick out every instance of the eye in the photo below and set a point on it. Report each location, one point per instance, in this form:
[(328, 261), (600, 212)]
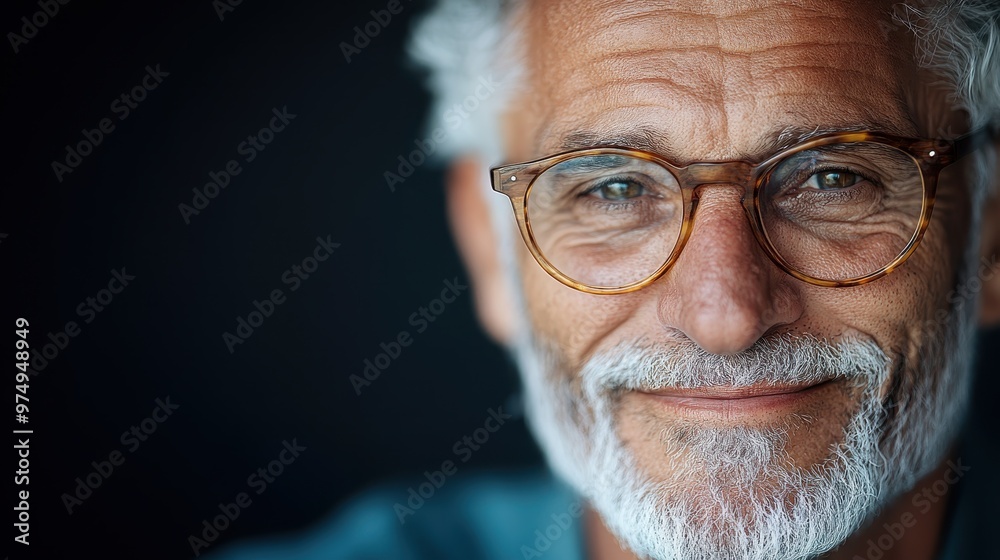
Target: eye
[(618, 189), (835, 179)]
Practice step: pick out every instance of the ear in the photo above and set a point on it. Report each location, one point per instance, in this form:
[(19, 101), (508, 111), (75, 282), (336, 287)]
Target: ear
[(478, 244), (989, 269)]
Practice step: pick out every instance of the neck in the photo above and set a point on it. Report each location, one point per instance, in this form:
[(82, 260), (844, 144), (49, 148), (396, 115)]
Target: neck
[(909, 528)]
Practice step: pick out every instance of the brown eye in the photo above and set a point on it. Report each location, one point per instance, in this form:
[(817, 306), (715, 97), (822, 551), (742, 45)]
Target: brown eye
[(619, 190), (833, 180)]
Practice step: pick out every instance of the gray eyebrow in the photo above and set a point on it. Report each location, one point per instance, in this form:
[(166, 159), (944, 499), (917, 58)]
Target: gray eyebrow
[(590, 164), (638, 137), (645, 138), (788, 136)]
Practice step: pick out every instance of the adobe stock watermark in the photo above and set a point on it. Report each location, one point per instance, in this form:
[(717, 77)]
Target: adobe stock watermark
[(258, 481), (86, 310), (922, 502), (249, 149), (421, 320), (132, 439), (363, 34), (453, 118), (293, 277), (463, 450), (223, 7), (31, 26), (545, 536), (122, 106)]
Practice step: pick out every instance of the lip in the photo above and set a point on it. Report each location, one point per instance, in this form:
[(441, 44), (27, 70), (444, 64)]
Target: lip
[(731, 401)]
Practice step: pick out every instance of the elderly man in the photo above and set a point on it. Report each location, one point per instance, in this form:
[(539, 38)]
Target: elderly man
[(739, 250)]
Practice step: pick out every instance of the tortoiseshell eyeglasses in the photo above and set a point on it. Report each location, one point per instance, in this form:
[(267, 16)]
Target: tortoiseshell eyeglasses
[(837, 210)]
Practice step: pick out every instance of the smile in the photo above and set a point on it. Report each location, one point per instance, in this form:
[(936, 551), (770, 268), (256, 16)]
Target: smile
[(733, 401)]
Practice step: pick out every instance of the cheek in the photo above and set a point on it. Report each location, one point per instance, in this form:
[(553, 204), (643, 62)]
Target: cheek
[(890, 311), (906, 312), (573, 323)]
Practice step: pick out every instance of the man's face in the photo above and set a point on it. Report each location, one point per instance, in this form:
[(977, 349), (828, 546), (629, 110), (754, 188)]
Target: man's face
[(716, 81)]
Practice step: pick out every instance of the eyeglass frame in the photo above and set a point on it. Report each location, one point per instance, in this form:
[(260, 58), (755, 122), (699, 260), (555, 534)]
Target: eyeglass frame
[(931, 156)]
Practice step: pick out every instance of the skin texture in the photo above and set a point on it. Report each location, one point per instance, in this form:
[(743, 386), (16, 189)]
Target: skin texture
[(715, 81)]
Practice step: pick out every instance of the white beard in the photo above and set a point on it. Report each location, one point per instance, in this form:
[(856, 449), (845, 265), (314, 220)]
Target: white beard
[(716, 506)]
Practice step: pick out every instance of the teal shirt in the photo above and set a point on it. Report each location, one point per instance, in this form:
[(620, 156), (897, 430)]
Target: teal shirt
[(480, 517), (531, 515)]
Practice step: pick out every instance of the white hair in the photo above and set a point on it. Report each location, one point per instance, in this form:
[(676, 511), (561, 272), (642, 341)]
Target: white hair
[(458, 42), (960, 41)]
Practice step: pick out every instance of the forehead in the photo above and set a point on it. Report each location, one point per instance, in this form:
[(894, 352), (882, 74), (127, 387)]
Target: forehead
[(708, 80)]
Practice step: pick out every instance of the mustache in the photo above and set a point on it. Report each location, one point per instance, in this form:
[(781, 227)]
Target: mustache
[(783, 359)]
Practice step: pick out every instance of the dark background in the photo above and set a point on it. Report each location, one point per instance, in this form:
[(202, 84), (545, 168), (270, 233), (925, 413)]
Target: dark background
[(162, 336)]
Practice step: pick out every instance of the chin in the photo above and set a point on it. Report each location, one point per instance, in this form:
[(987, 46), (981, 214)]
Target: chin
[(734, 490), (792, 470)]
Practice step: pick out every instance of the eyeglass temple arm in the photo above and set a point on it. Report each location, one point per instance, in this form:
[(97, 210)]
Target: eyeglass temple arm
[(969, 143)]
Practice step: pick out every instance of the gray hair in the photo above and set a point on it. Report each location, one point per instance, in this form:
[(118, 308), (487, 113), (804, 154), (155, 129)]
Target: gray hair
[(460, 41), (960, 41)]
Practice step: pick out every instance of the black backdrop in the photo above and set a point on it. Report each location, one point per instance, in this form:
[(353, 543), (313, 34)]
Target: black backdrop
[(162, 335), (321, 176)]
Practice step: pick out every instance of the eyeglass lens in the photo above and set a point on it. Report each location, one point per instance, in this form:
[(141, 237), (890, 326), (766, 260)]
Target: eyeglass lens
[(836, 212)]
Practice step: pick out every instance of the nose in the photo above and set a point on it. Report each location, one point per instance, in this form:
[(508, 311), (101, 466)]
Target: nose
[(723, 292)]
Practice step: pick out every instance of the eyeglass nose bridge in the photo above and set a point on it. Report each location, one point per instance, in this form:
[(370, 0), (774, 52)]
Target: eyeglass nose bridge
[(731, 172), (734, 173)]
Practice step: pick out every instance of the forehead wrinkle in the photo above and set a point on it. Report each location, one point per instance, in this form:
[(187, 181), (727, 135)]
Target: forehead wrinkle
[(645, 66), (729, 9), (895, 107), (630, 133), (741, 27), (658, 65), (651, 89), (753, 75), (777, 29), (686, 32), (634, 19), (779, 50), (898, 122), (666, 87), (860, 50), (617, 58)]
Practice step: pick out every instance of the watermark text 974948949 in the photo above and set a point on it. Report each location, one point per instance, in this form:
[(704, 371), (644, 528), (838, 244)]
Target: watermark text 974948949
[(22, 435)]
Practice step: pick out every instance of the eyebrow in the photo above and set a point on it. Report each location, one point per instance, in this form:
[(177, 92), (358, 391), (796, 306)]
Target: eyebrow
[(639, 137), (648, 139), (791, 135), (592, 164)]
